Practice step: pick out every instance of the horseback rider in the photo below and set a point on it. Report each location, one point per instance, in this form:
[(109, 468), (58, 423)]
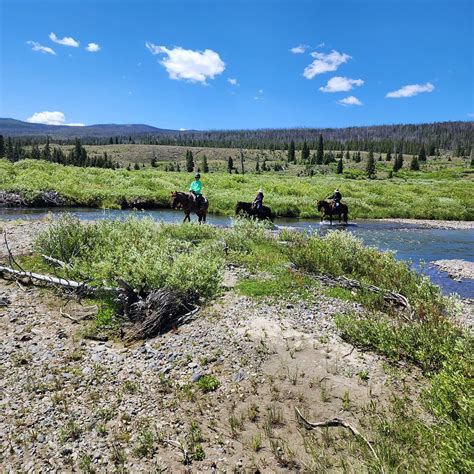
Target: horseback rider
[(336, 197), (257, 202), (196, 190)]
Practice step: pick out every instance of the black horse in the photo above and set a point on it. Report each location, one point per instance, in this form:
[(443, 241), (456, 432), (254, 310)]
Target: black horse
[(246, 209), (330, 209)]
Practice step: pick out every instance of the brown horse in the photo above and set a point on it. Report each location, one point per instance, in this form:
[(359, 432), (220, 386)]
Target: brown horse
[(187, 202), (245, 208), (330, 209)]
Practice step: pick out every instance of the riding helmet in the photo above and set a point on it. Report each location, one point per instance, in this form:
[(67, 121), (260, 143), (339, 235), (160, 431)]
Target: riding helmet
[(197, 175)]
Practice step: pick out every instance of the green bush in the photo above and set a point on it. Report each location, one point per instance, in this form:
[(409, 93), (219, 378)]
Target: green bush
[(339, 253), (145, 254)]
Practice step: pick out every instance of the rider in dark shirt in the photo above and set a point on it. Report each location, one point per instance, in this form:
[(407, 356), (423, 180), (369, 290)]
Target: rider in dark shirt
[(336, 197), (258, 201)]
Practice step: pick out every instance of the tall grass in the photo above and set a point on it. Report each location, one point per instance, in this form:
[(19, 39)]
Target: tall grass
[(287, 195)]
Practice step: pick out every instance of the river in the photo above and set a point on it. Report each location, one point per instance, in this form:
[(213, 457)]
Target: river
[(420, 245)]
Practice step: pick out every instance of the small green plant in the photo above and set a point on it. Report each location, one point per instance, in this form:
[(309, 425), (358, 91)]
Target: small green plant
[(256, 442), (70, 431), (363, 375), (85, 464), (346, 401), (252, 412), (145, 446), (208, 383)]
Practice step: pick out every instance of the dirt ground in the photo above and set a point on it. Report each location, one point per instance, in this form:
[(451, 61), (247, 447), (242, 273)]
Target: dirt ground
[(69, 403)]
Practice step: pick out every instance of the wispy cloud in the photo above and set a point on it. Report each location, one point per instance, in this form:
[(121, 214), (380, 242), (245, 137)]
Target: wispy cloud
[(66, 41), (411, 90), (93, 47), (299, 49), (39, 47), (233, 82), (341, 84), (470, 114), (325, 63), (189, 65), (51, 118), (351, 100)]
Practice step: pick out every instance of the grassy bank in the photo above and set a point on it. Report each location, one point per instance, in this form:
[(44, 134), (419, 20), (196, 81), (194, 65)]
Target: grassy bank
[(413, 197)]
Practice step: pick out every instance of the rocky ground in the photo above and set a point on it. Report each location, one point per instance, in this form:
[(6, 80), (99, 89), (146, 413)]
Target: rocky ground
[(461, 225), (69, 403), (457, 269)]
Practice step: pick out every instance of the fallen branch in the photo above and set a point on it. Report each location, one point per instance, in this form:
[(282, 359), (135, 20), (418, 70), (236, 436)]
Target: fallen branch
[(336, 422), (182, 448), (391, 298), (62, 282), (55, 262)]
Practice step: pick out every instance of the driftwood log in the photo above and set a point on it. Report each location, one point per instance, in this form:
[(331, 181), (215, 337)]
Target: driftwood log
[(148, 313), (10, 199), (390, 297)]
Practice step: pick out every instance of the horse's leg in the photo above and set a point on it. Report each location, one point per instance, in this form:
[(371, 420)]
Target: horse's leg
[(186, 218)]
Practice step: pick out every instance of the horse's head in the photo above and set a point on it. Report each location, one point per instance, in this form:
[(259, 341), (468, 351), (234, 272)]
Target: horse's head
[(320, 205), (174, 200)]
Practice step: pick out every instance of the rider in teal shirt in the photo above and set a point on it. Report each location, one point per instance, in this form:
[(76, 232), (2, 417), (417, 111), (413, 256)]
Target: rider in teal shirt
[(196, 188)]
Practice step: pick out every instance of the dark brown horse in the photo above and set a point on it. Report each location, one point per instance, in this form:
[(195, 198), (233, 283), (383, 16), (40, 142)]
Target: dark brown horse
[(187, 202), (330, 209), (245, 208)]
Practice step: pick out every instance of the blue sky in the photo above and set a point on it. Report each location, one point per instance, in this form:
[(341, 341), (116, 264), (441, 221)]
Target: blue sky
[(206, 64)]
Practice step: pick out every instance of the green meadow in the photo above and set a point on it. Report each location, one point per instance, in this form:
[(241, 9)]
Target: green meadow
[(444, 194)]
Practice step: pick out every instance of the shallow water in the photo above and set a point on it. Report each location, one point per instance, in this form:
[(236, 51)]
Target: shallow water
[(409, 241)]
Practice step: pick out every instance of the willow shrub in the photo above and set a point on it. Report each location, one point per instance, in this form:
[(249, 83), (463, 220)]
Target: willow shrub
[(142, 252), (340, 253)]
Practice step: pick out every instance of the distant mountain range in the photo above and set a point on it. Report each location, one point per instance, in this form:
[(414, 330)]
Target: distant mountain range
[(16, 128)]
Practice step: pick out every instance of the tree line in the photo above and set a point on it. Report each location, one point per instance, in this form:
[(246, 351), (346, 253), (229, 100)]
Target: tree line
[(14, 150)]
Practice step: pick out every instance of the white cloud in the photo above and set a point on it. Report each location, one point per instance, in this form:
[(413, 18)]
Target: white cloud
[(182, 129), (299, 49), (341, 84), (93, 47), (66, 41), (233, 82), (260, 91), (470, 114), (325, 63), (51, 118), (189, 65), (410, 90), (351, 100), (39, 47)]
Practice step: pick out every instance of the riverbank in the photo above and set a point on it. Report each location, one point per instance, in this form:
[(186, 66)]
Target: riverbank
[(220, 392), (435, 224), (458, 269), (288, 196)]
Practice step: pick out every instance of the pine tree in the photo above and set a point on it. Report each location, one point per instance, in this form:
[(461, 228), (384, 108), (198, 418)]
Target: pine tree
[(35, 152), (305, 152), (242, 159), (230, 164), (340, 166), (398, 163), (2, 147), (189, 161), (389, 156), (257, 167), (348, 155), (136, 166), (370, 169), (414, 166), (422, 155), (154, 162), (47, 151), (128, 167), (291, 152), (205, 166), (320, 151), (264, 165)]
